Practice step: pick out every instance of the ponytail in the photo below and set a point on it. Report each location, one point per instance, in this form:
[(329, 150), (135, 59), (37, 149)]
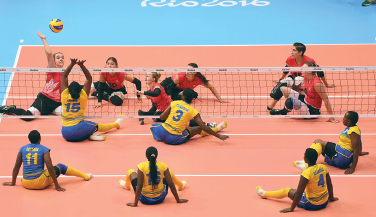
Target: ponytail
[(203, 79), (151, 154)]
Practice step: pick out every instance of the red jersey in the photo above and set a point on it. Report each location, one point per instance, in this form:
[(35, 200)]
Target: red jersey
[(162, 101), (183, 82), (52, 89), (115, 82), (312, 98), (292, 63)]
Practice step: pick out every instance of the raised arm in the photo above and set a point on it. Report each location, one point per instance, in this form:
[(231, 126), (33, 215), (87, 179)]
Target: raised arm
[(51, 170), (172, 187), (298, 195), (207, 129), (64, 80), (214, 91), (320, 90), (89, 79), (47, 49), (135, 81), (16, 170)]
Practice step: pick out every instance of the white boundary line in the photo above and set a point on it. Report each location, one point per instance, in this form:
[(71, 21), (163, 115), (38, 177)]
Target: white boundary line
[(12, 75), (240, 134), (107, 176), (239, 45)]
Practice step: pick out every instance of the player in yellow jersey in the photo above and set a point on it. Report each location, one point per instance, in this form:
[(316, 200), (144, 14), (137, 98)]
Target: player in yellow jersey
[(152, 181), (348, 149), (34, 156), (74, 101), (315, 187), (174, 130)]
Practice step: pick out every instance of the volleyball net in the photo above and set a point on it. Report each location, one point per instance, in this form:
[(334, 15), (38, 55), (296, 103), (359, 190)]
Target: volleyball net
[(247, 90)]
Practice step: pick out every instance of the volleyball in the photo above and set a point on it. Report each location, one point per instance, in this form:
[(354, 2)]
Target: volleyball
[(56, 25)]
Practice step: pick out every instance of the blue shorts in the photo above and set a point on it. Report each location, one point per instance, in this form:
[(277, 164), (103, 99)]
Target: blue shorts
[(155, 200), (305, 204), (80, 131), (161, 134), (342, 159)]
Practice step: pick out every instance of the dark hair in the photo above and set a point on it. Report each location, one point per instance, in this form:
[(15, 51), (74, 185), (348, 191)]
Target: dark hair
[(156, 76), (54, 55), (34, 137), (311, 64), (151, 155), (312, 155), (198, 74), (353, 117), (300, 47), (116, 100), (189, 94), (113, 59), (75, 89)]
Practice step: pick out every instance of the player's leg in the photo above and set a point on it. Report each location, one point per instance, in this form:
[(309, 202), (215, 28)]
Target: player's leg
[(129, 180), (276, 94), (70, 171), (116, 99), (283, 193), (291, 103), (58, 111), (177, 182), (107, 127), (193, 123), (152, 111)]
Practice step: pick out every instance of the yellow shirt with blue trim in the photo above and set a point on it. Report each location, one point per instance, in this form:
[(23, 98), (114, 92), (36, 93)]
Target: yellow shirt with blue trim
[(147, 188), (316, 189), (73, 109), (181, 113), (344, 137)]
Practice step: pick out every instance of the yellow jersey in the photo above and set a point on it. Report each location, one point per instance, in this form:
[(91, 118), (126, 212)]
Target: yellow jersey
[(181, 113), (73, 109), (344, 137), (316, 189), (147, 188)]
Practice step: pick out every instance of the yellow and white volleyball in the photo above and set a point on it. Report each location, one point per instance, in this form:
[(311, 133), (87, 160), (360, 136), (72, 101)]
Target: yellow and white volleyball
[(56, 25), (298, 80)]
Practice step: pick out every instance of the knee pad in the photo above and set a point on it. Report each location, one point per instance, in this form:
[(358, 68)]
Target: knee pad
[(28, 113), (289, 104), (276, 92), (116, 100), (57, 171), (63, 168)]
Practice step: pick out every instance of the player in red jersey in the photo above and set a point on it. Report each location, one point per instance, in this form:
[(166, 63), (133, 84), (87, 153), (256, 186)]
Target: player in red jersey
[(297, 59), (175, 84), (309, 104), (110, 86), (48, 101)]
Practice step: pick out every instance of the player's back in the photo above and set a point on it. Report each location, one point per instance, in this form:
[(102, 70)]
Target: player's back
[(33, 160), (316, 190), (147, 189), (73, 109), (181, 113)]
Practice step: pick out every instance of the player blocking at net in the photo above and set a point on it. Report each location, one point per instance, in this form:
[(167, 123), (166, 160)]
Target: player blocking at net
[(74, 100), (34, 156), (345, 154), (49, 100), (174, 130), (315, 187), (152, 181)]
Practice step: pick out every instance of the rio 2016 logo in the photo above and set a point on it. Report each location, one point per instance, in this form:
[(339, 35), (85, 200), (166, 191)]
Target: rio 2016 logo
[(213, 3)]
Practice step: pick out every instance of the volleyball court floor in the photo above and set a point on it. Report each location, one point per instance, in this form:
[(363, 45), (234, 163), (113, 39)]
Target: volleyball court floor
[(221, 175)]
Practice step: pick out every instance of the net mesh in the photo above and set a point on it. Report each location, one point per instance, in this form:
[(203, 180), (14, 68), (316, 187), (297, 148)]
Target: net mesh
[(246, 89)]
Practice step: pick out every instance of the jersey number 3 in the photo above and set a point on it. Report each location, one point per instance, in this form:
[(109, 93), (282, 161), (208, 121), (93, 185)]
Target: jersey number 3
[(75, 107), (179, 113), (321, 181)]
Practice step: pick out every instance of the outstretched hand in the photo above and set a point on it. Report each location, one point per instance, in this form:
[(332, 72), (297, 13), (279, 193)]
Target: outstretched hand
[(223, 137), (8, 184), (40, 35), (333, 120), (73, 61), (81, 62), (363, 153)]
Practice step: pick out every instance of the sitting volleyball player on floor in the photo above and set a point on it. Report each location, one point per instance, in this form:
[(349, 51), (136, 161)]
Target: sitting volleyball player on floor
[(297, 59), (174, 130), (151, 182), (48, 101), (315, 187), (309, 104), (346, 152), (34, 156), (74, 100)]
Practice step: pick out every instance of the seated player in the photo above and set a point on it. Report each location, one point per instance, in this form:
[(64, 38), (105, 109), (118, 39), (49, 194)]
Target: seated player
[(110, 86), (309, 104), (315, 187), (346, 152), (34, 156), (74, 100), (174, 132), (177, 83), (297, 59), (151, 182), (48, 101), (159, 99)]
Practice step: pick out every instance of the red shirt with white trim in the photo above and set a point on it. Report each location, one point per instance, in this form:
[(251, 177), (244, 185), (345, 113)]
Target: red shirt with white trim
[(312, 98), (292, 63), (52, 89), (162, 101), (115, 82), (184, 83)]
